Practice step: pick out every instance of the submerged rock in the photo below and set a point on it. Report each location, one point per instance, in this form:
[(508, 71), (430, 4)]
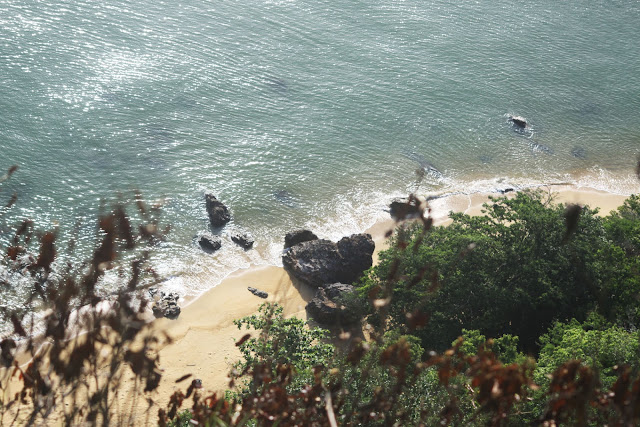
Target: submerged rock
[(298, 236), (485, 158), (286, 198), (218, 213), (425, 165), (318, 262), (209, 243), (579, 152), (541, 148)]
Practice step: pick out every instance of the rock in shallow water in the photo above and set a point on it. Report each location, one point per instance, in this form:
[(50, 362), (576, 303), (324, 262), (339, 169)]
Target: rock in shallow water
[(218, 213), (579, 152), (519, 121), (319, 262), (209, 243), (245, 240)]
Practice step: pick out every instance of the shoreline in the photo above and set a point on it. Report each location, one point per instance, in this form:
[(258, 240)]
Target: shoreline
[(190, 273), (201, 341), (204, 335), (442, 202)]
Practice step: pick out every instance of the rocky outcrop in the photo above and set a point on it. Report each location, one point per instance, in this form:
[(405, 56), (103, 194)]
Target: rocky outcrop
[(258, 292), (299, 236), (165, 305), (326, 306), (218, 213), (209, 243), (319, 262), (244, 240), (519, 121)]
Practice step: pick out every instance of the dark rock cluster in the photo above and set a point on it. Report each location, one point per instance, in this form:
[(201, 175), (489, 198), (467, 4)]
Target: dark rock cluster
[(219, 216), (165, 305), (328, 266), (319, 262), (518, 121), (405, 208)]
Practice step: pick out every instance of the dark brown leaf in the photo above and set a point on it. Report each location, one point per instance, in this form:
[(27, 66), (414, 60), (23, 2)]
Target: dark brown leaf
[(571, 216), (47, 251), (243, 339), (184, 377), (17, 326)]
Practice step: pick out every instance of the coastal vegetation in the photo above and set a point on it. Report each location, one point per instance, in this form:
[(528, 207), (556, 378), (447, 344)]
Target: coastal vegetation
[(527, 315)]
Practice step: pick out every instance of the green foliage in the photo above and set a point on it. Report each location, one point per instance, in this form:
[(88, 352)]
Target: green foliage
[(623, 225), (618, 266), (392, 371), (183, 419), (281, 341), (505, 347), (513, 271), (602, 348)]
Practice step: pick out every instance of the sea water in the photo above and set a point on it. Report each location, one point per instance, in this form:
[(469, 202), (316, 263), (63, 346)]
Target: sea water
[(304, 113)]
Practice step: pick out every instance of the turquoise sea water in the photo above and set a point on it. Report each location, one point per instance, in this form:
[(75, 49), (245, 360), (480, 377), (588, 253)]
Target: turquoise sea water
[(306, 113)]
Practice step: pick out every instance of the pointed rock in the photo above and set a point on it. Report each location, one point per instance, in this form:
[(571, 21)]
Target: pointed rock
[(218, 213)]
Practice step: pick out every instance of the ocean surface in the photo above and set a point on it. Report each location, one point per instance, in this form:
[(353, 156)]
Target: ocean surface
[(304, 113)]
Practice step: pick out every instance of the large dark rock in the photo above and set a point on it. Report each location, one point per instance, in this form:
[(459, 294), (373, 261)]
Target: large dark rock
[(357, 253), (218, 213), (243, 239), (318, 262), (326, 306), (299, 236), (209, 243), (165, 305)]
